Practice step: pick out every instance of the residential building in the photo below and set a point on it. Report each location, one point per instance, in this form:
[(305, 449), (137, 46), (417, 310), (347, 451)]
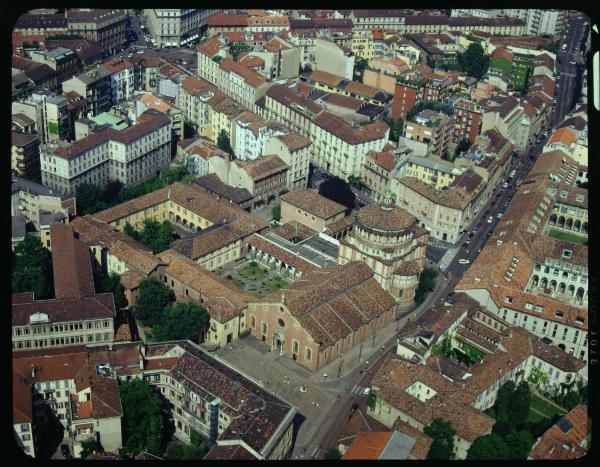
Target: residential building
[(77, 315), (378, 170), (34, 201), (392, 445), (538, 281), (293, 149), (333, 58), (221, 23), (265, 178), (50, 384), (569, 437), (104, 26), (545, 21), (316, 320), (94, 85), (252, 134), (41, 76), (466, 120), (211, 183), (241, 83), (121, 79), (50, 114), (390, 241), (431, 128), (176, 27), (310, 209), (64, 62), (25, 154), (130, 156)]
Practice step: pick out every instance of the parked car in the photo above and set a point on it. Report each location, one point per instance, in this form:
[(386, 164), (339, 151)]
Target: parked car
[(463, 261), (490, 219), (505, 185), (466, 244), (499, 216), (489, 234), (471, 234)]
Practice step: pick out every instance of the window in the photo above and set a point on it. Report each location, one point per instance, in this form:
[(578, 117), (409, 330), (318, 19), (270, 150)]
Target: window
[(508, 299), (567, 253), (529, 306), (253, 321), (24, 427), (560, 314), (539, 309), (308, 354)]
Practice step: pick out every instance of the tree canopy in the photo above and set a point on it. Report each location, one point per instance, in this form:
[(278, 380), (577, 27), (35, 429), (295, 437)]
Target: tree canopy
[(426, 284), (157, 236), (197, 449), (186, 320), (173, 173), (488, 447), (224, 145), (474, 61), (338, 190), (88, 198), (332, 454), (89, 446), (32, 269), (395, 128), (112, 284), (152, 300), (276, 212), (442, 433), (143, 418)]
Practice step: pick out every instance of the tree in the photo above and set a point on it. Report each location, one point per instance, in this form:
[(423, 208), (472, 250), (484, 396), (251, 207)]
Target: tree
[(395, 128), (237, 48), (89, 446), (112, 284), (276, 212), (197, 449), (153, 298), (110, 195), (307, 68), (143, 418), (474, 61), (462, 146), (174, 452), (157, 236), (332, 454), (338, 190), (360, 65), (32, 269), (488, 447), (224, 144), (186, 320), (426, 284), (442, 433), (173, 173), (519, 404), (519, 444), (86, 196)]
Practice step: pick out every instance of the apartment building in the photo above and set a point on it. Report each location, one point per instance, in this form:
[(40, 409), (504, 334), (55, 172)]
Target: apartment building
[(95, 85), (35, 201), (333, 58), (77, 315), (391, 242), (176, 27), (285, 322), (64, 62), (546, 21), (431, 128), (293, 149), (310, 209), (194, 96), (265, 178), (252, 134), (466, 120), (130, 155), (104, 26), (539, 282), (241, 83), (122, 81), (239, 417), (87, 408), (25, 154), (49, 112), (507, 117), (569, 438), (379, 169), (221, 23)]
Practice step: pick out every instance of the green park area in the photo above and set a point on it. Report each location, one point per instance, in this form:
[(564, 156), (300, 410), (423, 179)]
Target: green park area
[(568, 237), (501, 64)]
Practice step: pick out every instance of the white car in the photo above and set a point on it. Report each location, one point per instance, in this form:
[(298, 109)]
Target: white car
[(366, 391), (463, 261), (140, 51), (499, 216), (490, 219)]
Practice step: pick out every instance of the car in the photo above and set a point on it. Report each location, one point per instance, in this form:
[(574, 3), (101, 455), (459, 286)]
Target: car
[(466, 244), (489, 234), (471, 234), (572, 63), (564, 47), (513, 173), (129, 55), (490, 219), (499, 216), (505, 185), (366, 391), (140, 51), (463, 261), (65, 451)]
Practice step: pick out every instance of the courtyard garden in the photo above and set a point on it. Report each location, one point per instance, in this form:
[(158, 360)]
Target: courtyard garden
[(256, 279), (568, 237)]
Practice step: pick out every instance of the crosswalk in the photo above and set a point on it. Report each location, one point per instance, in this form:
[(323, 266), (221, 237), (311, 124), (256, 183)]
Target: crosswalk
[(357, 389), (448, 257)]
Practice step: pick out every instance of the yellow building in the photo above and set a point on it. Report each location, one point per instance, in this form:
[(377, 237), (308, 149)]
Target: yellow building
[(433, 171)]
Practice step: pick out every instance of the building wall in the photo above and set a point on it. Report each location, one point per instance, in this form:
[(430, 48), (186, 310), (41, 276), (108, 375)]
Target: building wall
[(405, 98), (24, 437), (297, 161), (75, 332), (330, 58)]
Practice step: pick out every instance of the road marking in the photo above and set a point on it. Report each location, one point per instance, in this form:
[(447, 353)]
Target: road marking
[(448, 257)]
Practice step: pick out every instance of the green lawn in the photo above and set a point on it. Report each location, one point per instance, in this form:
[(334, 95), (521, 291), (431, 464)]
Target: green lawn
[(501, 64), (543, 407), (533, 417), (275, 284), (569, 237), (253, 273)]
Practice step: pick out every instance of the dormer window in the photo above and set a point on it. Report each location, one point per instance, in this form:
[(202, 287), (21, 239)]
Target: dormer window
[(560, 314), (567, 253), (508, 299), (564, 194), (580, 320)]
